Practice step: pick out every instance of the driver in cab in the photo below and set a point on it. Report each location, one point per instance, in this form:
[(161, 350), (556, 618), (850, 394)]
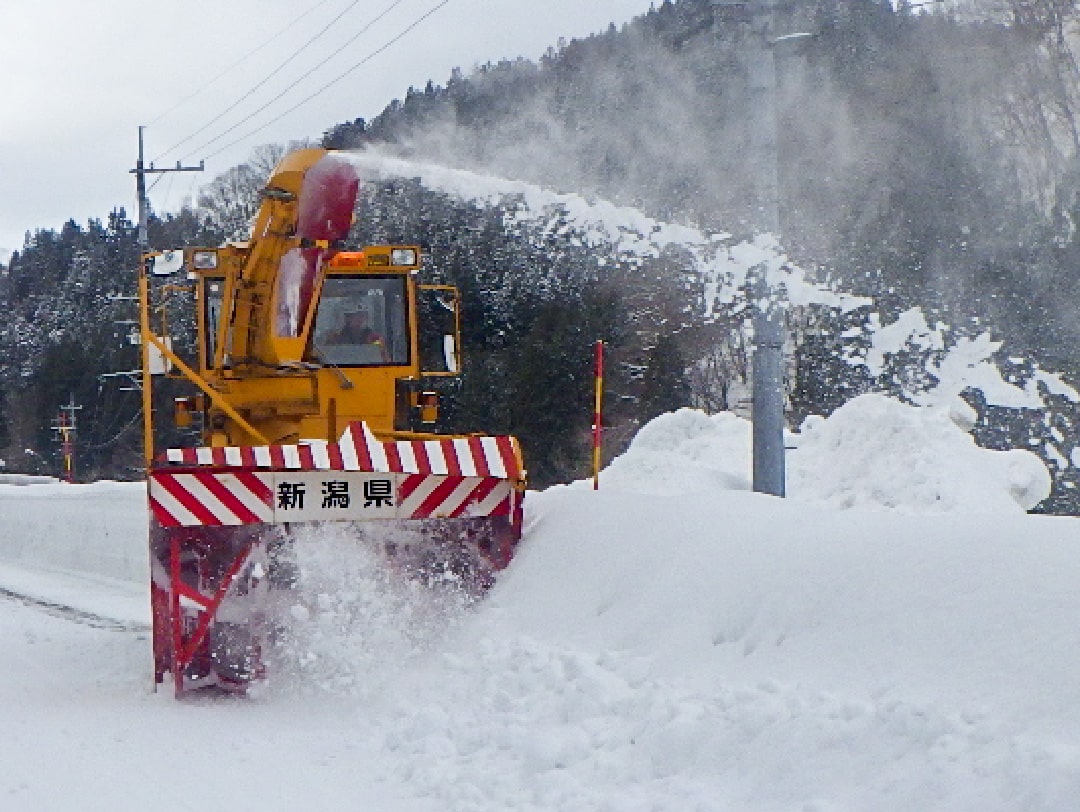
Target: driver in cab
[(356, 332)]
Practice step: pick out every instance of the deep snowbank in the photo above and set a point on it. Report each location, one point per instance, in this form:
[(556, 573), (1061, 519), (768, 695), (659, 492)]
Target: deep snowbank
[(669, 642), (741, 653), (673, 642), (878, 453), (98, 529), (873, 452)]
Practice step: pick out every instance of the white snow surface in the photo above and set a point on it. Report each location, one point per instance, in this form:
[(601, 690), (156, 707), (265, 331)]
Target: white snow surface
[(873, 452), (897, 635)]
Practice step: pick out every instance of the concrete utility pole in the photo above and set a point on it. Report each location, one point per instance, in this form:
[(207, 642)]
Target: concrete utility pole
[(758, 18), (768, 384), (141, 171)]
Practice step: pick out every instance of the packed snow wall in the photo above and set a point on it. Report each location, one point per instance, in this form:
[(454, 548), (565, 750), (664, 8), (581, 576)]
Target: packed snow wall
[(97, 529)]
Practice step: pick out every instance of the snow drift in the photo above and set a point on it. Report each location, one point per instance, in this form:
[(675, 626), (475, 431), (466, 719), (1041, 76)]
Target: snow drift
[(669, 642), (97, 529), (673, 642), (873, 452)]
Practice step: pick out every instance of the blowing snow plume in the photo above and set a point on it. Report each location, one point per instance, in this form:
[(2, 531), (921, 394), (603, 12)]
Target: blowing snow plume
[(910, 357), (353, 622), (622, 232)]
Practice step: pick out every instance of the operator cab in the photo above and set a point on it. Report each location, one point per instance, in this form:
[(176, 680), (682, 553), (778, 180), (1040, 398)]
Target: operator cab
[(362, 321)]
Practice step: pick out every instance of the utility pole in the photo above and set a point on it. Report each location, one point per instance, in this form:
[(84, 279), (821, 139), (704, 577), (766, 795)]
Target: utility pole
[(65, 426), (140, 172), (768, 383), (757, 17)]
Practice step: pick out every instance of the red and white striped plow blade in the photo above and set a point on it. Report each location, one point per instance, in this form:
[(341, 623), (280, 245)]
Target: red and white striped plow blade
[(217, 498), (358, 450)]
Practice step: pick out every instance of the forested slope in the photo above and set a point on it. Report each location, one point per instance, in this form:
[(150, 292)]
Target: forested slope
[(924, 160)]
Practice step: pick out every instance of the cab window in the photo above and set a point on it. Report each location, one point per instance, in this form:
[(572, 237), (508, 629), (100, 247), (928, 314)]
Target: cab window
[(361, 321), (213, 301)]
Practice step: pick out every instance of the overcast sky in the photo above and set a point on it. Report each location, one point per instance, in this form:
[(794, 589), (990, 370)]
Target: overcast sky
[(79, 78)]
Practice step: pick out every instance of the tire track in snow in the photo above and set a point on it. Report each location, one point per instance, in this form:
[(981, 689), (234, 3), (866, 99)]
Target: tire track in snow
[(72, 614)]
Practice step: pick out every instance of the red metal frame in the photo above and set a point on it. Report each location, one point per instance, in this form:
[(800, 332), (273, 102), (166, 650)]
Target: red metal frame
[(185, 649), (196, 569)]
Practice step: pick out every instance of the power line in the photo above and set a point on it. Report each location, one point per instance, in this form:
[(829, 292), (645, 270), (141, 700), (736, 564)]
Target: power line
[(325, 87), (168, 191), (280, 95), (242, 59), (115, 437), (140, 172), (264, 80), (190, 192)]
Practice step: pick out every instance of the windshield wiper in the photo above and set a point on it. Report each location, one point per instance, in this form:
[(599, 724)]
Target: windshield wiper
[(343, 380)]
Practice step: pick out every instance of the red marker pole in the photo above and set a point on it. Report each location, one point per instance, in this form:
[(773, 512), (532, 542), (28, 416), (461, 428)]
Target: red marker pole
[(67, 448), (598, 427)]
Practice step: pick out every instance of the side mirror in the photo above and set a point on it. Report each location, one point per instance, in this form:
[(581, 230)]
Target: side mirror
[(440, 331), (159, 363), (450, 356)]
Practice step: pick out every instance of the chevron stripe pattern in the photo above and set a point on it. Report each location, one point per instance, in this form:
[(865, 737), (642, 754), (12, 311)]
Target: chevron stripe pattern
[(359, 450), (356, 479)]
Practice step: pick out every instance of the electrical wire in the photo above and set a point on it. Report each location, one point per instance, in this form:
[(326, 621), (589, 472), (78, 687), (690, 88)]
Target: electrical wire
[(264, 80), (168, 191), (325, 87), (292, 23), (303, 76), (114, 438), (190, 196)]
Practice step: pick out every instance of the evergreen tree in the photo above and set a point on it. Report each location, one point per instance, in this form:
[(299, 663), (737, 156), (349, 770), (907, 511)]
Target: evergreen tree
[(665, 386)]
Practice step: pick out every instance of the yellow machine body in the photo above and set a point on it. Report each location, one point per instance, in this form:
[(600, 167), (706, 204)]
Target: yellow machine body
[(303, 345), (266, 313)]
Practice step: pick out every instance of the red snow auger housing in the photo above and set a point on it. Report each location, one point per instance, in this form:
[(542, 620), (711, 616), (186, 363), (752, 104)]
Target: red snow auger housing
[(311, 385)]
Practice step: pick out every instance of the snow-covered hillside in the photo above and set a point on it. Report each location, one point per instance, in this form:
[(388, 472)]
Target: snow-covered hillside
[(897, 635)]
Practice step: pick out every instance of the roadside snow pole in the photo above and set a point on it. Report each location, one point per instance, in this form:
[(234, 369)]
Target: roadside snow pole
[(598, 427)]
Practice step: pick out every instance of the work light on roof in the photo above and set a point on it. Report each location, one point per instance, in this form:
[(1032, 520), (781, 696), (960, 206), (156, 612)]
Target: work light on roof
[(204, 260), (403, 256)]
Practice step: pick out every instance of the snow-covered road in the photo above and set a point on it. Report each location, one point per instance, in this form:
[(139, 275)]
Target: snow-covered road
[(651, 648), (83, 731)]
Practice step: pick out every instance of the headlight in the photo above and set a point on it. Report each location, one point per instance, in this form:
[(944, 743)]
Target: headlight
[(403, 256), (204, 260)]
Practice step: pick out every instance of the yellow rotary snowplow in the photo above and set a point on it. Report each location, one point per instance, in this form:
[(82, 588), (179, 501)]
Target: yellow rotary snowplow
[(311, 384)]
